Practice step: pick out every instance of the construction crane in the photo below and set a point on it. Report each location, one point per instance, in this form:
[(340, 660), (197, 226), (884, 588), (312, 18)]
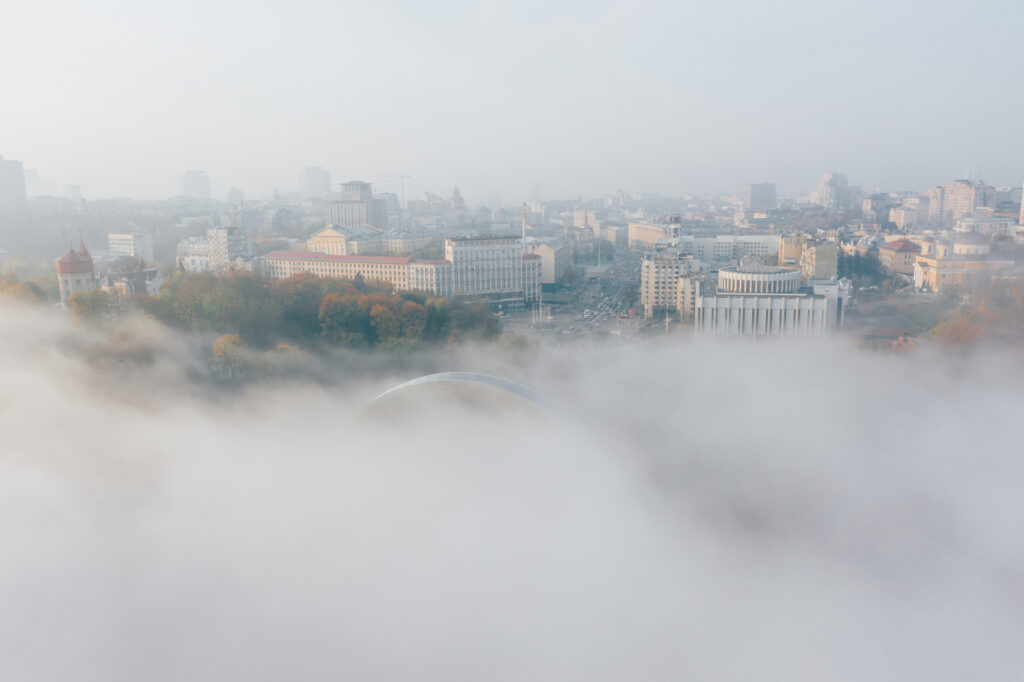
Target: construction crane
[(401, 178)]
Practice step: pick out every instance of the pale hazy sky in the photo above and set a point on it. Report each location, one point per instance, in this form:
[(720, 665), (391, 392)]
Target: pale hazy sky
[(574, 97)]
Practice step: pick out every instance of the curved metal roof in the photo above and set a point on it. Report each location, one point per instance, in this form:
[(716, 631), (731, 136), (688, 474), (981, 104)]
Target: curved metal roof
[(466, 388)]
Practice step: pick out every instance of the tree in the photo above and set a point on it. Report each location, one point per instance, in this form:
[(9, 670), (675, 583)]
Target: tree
[(413, 320), (229, 359), (385, 323), (344, 322), (311, 311), (93, 305), (11, 285)]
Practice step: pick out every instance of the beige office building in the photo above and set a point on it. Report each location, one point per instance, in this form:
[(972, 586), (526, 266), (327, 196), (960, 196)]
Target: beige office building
[(642, 236), (819, 260), (362, 241), (555, 257), (898, 257), (958, 198), (402, 272), (660, 275)]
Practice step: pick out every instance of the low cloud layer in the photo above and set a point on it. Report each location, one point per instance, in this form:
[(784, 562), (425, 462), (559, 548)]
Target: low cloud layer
[(727, 512)]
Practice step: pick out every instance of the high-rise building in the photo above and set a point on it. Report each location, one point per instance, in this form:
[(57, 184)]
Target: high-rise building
[(357, 207), (130, 245), (12, 184), (227, 246), (316, 183), (196, 185), (660, 275), (958, 198), (75, 273), (760, 196), (833, 192)]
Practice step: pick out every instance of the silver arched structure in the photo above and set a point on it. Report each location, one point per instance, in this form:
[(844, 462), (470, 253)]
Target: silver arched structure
[(471, 389)]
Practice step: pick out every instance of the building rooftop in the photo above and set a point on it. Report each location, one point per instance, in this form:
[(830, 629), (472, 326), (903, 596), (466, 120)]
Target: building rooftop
[(901, 246), (75, 262), (312, 255), (756, 269), (483, 237)]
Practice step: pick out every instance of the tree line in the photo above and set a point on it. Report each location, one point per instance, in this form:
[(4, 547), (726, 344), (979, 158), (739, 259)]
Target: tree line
[(316, 312)]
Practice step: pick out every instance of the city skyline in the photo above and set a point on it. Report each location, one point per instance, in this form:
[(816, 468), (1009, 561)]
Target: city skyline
[(576, 99), (577, 340), (391, 185)]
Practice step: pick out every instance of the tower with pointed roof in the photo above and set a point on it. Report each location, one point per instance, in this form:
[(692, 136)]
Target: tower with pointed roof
[(75, 272)]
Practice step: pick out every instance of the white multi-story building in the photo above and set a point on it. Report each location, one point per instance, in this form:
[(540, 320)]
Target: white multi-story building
[(194, 255), (402, 272), (228, 245), (493, 266), (762, 315), (807, 313), (131, 245), (433, 276), (357, 207), (987, 225)]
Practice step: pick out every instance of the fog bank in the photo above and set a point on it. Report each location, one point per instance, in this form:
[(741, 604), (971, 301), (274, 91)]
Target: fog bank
[(729, 512)]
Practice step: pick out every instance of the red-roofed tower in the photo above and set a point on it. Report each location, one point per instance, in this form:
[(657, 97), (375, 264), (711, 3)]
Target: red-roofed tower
[(75, 272)]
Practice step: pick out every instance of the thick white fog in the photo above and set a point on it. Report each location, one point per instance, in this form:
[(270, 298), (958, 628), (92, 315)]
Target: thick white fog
[(700, 512)]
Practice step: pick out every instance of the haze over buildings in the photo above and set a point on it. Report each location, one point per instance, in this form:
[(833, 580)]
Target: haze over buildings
[(762, 312), (741, 91)]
